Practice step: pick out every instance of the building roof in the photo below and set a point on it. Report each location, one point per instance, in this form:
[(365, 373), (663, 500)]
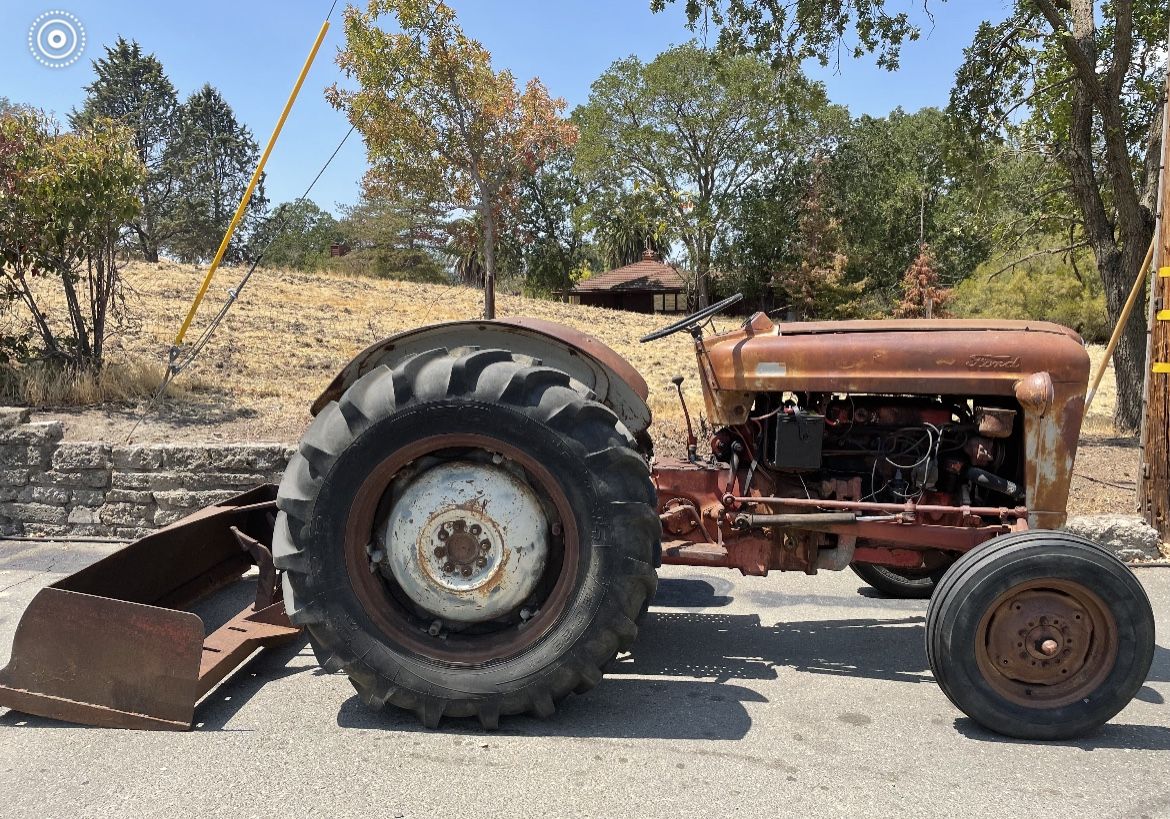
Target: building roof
[(647, 274)]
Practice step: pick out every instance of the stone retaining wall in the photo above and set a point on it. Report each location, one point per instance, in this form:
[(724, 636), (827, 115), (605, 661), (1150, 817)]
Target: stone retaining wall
[(55, 488)]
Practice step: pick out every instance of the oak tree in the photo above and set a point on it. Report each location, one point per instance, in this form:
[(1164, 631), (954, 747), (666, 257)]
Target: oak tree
[(696, 128)]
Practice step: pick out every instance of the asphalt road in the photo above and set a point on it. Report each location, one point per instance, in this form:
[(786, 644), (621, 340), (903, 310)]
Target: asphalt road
[(780, 696)]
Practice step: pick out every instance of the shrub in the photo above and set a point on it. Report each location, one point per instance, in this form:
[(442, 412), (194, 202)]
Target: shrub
[(1046, 288)]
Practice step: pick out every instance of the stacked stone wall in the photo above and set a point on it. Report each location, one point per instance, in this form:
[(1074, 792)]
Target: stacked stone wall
[(55, 488)]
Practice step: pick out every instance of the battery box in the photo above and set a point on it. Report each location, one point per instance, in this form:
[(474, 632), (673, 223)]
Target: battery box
[(797, 441)]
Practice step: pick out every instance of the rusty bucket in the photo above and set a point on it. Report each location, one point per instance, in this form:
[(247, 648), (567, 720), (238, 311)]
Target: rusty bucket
[(112, 645)]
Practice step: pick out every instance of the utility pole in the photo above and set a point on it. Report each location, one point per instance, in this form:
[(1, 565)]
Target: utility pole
[(1154, 472)]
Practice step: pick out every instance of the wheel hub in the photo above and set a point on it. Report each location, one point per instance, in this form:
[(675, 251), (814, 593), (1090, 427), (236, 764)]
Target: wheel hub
[(1040, 637), (467, 541), (1046, 643)]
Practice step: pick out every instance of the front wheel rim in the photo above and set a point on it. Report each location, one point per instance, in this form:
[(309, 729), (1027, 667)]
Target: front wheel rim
[(1046, 643)]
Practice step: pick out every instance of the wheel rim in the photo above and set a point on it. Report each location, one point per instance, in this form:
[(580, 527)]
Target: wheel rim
[(494, 611), (480, 541), (1046, 643)]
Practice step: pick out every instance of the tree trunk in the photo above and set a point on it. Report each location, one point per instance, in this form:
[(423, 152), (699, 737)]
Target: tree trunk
[(566, 278), (1118, 270), (702, 269), (489, 262)]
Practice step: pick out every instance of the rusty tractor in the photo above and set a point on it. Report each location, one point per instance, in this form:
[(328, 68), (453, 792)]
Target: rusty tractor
[(471, 526)]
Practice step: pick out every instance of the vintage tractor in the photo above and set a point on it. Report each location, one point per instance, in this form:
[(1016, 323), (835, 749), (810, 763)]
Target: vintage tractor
[(471, 525)]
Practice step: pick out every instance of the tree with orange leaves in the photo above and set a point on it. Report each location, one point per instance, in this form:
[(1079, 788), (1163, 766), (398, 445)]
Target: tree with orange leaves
[(437, 118)]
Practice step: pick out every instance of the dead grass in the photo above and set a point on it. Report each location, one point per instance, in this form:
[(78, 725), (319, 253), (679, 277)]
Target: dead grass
[(123, 381), (290, 332), (1099, 420), (288, 336)]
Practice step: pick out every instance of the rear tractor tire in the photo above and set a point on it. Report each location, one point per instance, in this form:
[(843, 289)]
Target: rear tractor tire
[(1040, 635), (465, 534), (902, 584)]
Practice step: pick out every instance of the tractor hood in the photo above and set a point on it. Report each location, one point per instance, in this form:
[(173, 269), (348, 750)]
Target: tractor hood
[(939, 356)]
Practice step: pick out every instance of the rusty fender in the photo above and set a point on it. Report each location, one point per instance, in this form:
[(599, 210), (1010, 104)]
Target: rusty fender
[(613, 380)]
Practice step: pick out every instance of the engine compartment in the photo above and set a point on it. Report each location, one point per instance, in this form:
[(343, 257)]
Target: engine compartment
[(931, 450)]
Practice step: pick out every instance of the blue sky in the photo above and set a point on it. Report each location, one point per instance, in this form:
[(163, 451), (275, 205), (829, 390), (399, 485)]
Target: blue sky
[(252, 49)]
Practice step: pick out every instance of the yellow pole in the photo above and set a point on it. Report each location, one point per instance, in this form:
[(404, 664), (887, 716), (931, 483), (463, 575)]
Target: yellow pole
[(223, 246), (1125, 311)]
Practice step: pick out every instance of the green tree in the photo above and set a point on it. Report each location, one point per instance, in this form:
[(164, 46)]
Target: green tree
[(295, 235), (763, 237), (897, 183), (793, 30), (697, 129), (1083, 80), (551, 217), (65, 197), (218, 156), (1046, 286), (814, 284), (132, 88), (625, 220), (437, 118)]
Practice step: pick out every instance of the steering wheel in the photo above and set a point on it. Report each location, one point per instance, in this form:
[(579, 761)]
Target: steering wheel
[(693, 320)]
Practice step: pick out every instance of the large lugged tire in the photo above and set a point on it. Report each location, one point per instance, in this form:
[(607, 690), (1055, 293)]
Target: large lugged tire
[(902, 584), (467, 534), (1040, 635)]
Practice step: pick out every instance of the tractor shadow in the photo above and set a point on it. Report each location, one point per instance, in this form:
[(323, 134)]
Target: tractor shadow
[(679, 681)]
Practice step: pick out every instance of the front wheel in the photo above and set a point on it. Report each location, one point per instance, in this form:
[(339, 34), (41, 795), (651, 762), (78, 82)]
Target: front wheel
[(1040, 635), (467, 534)]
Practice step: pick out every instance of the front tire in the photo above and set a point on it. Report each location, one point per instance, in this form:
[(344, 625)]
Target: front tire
[(467, 534), (1040, 635)]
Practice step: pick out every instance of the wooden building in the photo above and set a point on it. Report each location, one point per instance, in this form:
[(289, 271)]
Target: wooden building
[(646, 286)]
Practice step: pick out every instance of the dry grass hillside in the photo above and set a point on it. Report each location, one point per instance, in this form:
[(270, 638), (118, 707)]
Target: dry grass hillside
[(290, 333)]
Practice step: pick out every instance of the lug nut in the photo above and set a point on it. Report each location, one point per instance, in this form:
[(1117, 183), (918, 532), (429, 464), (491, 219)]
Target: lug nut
[(475, 529), (441, 551), (448, 567), (435, 627), (443, 534), (481, 562), (557, 529), (466, 572)]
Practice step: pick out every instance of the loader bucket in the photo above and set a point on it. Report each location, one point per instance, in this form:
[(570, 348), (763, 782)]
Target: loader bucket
[(112, 645)]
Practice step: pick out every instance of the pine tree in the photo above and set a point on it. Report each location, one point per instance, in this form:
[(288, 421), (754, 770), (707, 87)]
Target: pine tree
[(218, 158), (132, 88), (922, 296)]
